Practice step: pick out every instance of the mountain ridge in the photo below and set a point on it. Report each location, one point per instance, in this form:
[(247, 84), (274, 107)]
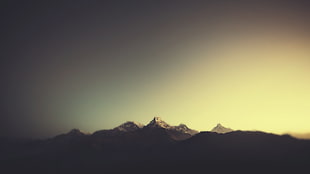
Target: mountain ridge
[(131, 148)]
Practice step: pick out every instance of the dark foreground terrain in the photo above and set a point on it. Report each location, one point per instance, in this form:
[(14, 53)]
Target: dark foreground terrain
[(156, 148)]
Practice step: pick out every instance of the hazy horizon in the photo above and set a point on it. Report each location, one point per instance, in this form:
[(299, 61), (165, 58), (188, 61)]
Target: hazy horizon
[(293, 134), (93, 65)]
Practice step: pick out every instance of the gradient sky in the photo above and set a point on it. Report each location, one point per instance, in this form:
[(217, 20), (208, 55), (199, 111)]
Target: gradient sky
[(96, 64)]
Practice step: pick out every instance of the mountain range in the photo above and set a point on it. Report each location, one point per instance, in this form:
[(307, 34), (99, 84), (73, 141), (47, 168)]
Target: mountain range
[(157, 148), (131, 126)]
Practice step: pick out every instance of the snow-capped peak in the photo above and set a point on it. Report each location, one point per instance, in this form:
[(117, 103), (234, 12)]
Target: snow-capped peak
[(159, 123), (184, 129), (221, 129), (129, 126)]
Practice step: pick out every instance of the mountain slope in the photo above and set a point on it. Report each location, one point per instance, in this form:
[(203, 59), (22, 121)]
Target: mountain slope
[(180, 132), (157, 122), (221, 129), (158, 148), (129, 126)]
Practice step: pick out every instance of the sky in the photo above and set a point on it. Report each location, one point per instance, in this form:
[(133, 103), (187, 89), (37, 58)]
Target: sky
[(94, 64)]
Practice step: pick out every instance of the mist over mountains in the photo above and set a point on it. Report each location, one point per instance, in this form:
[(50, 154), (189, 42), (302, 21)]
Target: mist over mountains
[(157, 148)]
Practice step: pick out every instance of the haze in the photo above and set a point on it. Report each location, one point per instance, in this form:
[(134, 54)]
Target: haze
[(94, 65)]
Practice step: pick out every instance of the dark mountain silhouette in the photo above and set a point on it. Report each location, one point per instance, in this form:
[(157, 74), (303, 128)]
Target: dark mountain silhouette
[(157, 148)]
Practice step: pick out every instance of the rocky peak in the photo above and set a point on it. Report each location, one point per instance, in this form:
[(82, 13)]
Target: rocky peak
[(221, 129), (157, 119), (158, 123), (184, 129), (129, 126), (183, 126)]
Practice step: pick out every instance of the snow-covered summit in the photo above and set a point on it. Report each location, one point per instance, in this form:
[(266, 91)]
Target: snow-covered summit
[(129, 126), (184, 129), (157, 122), (179, 132), (221, 129)]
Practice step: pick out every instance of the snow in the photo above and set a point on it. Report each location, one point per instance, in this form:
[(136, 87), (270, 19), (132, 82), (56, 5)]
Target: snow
[(129, 126), (221, 129), (156, 122)]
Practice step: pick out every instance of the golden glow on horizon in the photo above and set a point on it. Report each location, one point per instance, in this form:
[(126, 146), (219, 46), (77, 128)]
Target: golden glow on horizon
[(243, 64), (244, 82), (249, 85)]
